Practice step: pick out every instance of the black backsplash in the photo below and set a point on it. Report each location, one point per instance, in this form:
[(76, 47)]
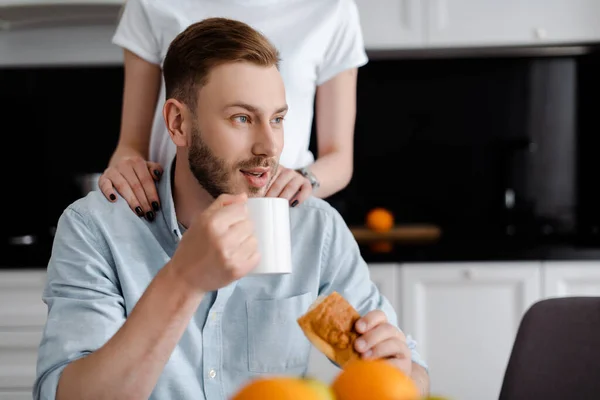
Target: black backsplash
[(58, 123), (441, 141), (437, 141)]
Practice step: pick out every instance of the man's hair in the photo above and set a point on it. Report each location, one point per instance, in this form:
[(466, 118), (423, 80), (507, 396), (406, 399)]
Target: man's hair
[(208, 44)]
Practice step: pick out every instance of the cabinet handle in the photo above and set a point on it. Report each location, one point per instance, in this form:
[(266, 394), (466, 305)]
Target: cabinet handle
[(439, 14), (405, 10)]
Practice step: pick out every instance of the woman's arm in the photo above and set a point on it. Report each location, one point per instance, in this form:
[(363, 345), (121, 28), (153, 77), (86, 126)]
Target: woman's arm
[(128, 171), (140, 94), (336, 114)]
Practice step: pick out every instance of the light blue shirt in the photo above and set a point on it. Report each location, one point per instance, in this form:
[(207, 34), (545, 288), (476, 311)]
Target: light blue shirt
[(104, 257)]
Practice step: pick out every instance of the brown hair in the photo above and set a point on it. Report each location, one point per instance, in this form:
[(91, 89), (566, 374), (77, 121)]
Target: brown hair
[(207, 44)]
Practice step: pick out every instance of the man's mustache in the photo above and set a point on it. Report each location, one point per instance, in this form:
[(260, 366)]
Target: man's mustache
[(255, 162)]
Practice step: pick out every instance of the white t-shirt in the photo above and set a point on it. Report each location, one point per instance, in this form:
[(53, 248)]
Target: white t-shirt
[(317, 39)]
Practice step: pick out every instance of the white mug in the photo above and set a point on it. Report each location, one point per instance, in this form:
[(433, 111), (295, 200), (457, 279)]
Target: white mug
[(271, 218)]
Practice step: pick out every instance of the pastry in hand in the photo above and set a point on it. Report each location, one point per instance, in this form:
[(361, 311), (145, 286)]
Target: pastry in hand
[(329, 326)]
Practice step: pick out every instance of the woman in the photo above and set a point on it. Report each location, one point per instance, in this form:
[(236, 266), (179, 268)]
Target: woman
[(321, 47)]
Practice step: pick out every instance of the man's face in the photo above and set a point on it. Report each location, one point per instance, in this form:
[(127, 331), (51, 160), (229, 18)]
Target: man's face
[(237, 136)]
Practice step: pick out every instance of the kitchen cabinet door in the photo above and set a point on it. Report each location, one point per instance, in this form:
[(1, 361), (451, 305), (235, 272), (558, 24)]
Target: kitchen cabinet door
[(386, 277), (18, 358), (571, 278), (464, 23), (21, 304), (22, 319), (15, 395), (464, 317), (391, 24)]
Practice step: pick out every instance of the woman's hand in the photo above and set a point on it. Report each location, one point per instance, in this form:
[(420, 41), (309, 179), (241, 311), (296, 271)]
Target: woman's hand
[(133, 177), (291, 185)]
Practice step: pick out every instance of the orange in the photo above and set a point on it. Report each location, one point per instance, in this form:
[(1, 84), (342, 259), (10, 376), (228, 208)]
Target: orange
[(277, 389), (380, 220), (374, 379)]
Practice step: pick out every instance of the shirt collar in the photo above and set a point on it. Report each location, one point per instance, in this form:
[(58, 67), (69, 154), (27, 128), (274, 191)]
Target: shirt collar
[(165, 193)]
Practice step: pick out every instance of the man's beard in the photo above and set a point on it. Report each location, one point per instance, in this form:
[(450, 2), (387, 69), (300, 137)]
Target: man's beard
[(215, 175)]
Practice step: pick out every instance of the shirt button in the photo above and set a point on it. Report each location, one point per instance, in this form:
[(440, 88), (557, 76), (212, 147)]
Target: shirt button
[(212, 373)]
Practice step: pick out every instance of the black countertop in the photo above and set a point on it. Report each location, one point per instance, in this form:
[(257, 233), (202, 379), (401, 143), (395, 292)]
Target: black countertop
[(468, 250)]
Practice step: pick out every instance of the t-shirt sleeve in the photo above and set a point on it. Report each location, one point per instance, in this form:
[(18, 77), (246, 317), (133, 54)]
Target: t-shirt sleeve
[(85, 305), (346, 49), (136, 33), (346, 272)]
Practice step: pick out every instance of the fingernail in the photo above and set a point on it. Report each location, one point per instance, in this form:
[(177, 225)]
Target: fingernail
[(150, 216), (112, 197), (361, 326), (294, 203), (139, 211), (367, 354), (360, 344), (155, 206), (157, 173)]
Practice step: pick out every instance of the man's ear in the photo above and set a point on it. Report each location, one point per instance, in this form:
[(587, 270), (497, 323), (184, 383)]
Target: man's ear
[(178, 120)]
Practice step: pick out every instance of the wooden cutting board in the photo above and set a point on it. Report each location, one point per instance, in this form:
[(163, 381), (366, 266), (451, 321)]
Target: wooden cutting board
[(400, 233)]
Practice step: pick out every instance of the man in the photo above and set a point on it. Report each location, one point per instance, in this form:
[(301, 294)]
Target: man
[(165, 310)]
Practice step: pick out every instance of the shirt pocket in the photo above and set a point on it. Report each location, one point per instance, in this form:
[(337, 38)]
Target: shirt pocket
[(275, 341)]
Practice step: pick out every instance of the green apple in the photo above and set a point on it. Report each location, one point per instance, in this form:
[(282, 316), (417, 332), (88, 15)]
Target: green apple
[(323, 391)]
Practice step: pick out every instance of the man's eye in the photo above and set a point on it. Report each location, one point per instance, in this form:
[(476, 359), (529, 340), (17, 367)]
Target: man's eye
[(278, 120), (241, 118)]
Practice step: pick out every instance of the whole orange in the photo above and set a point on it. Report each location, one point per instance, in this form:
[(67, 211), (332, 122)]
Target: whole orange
[(380, 220), (277, 389), (374, 379)]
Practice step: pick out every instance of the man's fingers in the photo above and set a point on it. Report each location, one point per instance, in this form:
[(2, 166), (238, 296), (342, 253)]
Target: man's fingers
[(371, 320), (221, 220), (375, 336), (228, 199), (392, 347)]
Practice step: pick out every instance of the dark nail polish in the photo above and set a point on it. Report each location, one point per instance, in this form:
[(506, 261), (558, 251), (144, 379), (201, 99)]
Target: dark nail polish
[(112, 197), (157, 173), (294, 203), (139, 211), (155, 206), (150, 216)]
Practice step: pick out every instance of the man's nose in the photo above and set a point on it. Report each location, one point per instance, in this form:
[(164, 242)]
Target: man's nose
[(266, 142)]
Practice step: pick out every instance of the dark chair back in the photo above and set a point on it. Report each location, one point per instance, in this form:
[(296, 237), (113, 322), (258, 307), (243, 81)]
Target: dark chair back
[(556, 354)]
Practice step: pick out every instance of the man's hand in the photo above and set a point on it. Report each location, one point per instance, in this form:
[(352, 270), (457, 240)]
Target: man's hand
[(380, 339), (219, 246)]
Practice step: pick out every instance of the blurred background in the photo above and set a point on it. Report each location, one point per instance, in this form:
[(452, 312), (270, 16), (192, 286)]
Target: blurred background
[(477, 123)]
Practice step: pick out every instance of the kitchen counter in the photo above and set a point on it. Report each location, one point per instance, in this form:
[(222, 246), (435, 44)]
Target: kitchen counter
[(405, 244), (442, 251)]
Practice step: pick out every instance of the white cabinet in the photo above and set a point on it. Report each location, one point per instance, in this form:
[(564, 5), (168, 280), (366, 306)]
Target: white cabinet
[(571, 278), (511, 22), (386, 278), (391, 24), (22, 319), (404, 24), (464, 317)]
